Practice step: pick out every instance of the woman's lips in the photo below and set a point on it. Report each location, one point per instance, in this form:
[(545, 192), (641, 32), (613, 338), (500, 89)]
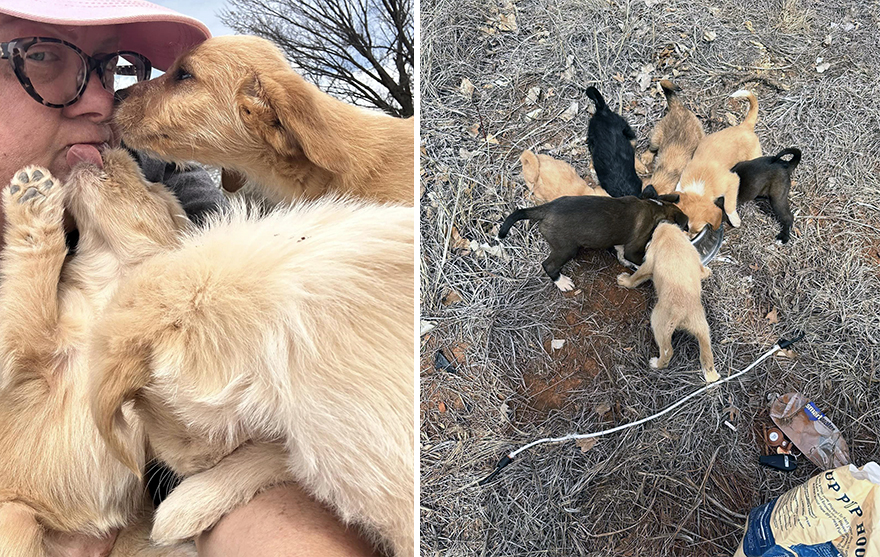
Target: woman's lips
[(84, 152)]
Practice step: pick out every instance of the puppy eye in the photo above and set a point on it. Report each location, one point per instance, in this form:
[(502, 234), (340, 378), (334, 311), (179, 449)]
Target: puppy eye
[(182, 75)]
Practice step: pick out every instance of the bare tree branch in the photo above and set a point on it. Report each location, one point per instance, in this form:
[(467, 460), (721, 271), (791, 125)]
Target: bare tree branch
[(359, 50)]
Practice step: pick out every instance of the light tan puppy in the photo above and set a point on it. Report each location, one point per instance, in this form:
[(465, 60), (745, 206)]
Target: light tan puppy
[(674, 140), (548, 178), (673, 263), (60, 487), (295, 328), (707, 176), (234, 102)]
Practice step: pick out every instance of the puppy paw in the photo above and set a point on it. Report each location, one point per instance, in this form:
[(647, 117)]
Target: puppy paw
[(564, 283), (653, 362), (735, 221), (711, 375), (34, 205), (782, 239), (187, 512), (623, 280)]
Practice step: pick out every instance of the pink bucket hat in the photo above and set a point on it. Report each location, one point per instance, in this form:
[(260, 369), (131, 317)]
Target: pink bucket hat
[(158, 33)]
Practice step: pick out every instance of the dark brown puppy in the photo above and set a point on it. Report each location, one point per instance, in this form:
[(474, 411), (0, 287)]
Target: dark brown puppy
[(610, 138), (573, 222), (770, 177)]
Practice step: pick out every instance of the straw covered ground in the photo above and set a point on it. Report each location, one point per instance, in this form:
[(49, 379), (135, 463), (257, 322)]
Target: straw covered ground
[(683, 484)]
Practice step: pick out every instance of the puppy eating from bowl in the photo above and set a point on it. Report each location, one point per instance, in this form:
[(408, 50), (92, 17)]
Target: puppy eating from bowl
[(674, 140), (234, 102), (707, 177), (610, 140), (674, 266), (571, 223)]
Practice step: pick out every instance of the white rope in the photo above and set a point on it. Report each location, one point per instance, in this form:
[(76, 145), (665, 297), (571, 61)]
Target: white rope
[(668, 409)]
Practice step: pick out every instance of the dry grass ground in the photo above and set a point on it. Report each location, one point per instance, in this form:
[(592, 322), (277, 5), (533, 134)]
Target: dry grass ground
[(681, 485)]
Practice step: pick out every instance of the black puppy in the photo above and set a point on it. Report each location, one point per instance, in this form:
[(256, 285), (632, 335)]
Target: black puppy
[(770, 177), (592, 222), (609, 138)]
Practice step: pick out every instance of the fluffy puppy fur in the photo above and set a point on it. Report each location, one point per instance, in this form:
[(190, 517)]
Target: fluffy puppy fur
[(591, 222), (548, 178), (673, 140), (708, 177), (609, 139), (234, 102), (673, 263), (60, 486), (295, 327), (770, 177)]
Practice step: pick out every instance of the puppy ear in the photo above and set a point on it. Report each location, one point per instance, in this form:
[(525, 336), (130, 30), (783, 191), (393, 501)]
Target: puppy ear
[(649, 192), (120, 375), (290, 117), (719, 202), (670, 197), (231, 180), (530, 168)]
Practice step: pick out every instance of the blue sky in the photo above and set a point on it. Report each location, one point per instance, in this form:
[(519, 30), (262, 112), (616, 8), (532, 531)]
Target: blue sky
[(206, 11)]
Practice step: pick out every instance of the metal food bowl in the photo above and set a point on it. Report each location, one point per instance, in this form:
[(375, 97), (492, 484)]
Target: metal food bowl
[(707, 242)]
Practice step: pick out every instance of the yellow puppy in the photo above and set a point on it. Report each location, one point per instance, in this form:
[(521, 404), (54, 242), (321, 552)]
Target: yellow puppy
[(60, 487), (234, 102), (673, 263), (707, 176), (294, 328), (674, 140), (548, 178)]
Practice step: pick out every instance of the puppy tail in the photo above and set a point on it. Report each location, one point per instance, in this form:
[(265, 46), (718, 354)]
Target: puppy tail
[(791, 163), (120, 372), (669, 91), (516, 216), (596, 96), (752, 116)]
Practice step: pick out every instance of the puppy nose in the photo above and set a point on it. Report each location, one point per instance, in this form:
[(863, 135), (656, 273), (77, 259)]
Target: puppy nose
[(120, 96)]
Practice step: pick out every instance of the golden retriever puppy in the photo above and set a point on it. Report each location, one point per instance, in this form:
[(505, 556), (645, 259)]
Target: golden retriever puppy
[(61, 489), (294, 327), (673, 140), (708, 177), (673, 263), (234, 102), (548, 178)]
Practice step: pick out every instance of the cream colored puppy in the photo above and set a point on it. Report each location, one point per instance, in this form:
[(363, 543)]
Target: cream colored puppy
[(707, 176), (60, 487), (548, 178), (235, 102), (673, 263), (294, 328)]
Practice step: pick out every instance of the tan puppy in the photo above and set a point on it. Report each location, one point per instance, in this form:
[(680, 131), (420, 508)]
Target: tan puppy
[(673, 263), (674, 140), (548, 178), (234, 102), (707, 176), (60, 487), (296, 328)]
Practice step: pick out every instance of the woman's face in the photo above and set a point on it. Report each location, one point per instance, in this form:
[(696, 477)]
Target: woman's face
[(31, 133)]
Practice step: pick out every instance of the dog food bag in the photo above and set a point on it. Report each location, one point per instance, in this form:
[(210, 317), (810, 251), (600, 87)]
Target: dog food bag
[(833, 514), (810, 430)]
